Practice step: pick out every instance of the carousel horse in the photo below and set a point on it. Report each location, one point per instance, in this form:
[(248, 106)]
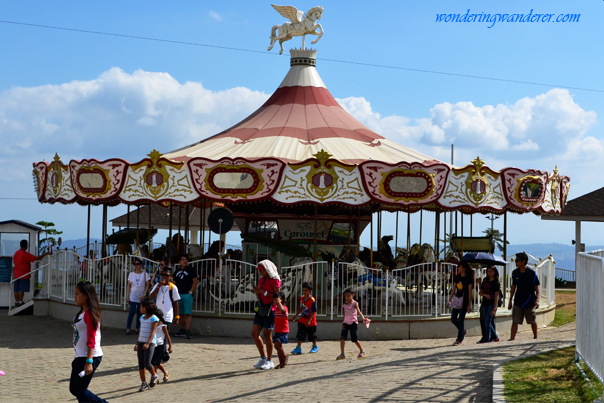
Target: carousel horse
[(401, 258), (373, 284), (348, 257), (383, 254)]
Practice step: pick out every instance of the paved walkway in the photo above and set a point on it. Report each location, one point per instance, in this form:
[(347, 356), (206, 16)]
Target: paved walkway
[(36, 353)]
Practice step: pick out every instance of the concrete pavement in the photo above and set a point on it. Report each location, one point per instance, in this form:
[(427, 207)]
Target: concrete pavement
[(36, 354)]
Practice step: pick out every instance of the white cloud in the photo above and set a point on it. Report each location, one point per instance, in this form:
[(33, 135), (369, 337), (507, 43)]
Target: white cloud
[(547, 127), (215, 15), (115, 115)]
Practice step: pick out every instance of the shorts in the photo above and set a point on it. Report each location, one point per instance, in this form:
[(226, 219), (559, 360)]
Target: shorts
[(158, 355), (518, 314), (266, 322), (353, 332), (280, 337), (21, 285), (306, 331), (185, 304)]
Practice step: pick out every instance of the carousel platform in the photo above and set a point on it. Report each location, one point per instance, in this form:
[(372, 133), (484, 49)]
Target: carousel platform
[(399, 328)]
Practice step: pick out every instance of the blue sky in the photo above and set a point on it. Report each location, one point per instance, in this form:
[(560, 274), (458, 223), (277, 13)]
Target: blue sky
[(93, 96)]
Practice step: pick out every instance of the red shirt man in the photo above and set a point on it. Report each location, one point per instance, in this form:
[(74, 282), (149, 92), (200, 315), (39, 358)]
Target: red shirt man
[(22, 260)]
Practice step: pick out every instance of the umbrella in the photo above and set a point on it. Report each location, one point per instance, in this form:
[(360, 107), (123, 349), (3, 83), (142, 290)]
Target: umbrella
[(484, 258), (128, 236)]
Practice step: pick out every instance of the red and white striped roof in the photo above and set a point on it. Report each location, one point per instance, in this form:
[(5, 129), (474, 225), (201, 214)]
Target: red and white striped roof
[(297, 121)]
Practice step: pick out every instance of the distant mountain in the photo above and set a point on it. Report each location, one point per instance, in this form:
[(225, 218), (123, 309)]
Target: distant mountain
[(564, 255), (69, 244)]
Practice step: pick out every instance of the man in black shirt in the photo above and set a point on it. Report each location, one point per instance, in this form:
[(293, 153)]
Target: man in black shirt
[(525, 284), (185, 278)]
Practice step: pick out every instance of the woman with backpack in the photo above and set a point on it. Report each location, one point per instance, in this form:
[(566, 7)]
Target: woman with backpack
[(166, 298)]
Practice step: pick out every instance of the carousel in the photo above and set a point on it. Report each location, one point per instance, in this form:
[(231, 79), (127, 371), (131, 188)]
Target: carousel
[(303, 179)]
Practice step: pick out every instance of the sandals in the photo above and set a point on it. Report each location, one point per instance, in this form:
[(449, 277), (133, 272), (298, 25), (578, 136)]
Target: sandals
[(361, 354), (340, 357)]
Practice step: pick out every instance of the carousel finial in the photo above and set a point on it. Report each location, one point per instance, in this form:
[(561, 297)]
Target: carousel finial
[(57, 158), (322, 156), (299, 25), (154, 155), (478, 163)]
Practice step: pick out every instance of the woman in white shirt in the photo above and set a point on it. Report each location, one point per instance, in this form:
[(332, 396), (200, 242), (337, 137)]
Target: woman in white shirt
[(86, 342), (136, 289)]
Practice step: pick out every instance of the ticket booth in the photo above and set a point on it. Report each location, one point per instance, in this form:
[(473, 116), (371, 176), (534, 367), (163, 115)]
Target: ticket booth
[(11, 234)]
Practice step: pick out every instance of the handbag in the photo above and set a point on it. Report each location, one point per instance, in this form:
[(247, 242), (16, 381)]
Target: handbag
[(456, 302), (166, 357), (263, 309)]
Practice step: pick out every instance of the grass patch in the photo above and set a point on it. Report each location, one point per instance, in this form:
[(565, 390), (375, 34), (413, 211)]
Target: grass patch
[(549, 377), (566, 307)]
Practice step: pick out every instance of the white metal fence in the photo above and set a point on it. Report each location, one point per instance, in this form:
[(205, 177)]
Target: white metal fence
[(227, 288), (590, 310), (566, 275)]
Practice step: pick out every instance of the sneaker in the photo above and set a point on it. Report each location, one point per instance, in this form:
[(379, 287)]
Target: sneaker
[(268, 365), (457, 343), (297, 351), (188, 334), (143, 387), (495, 340), (314, 349), (128, 333), (180, 333), (340, 357), (166, 377), (260, 363), (361, 354), (153, 381)]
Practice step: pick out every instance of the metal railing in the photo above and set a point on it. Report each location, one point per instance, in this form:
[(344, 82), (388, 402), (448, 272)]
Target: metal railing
[(590, 311), (420, 291), (566, 275)]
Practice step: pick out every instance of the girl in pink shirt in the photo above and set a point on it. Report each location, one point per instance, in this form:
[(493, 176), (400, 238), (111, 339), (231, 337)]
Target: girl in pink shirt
[(350, 308)]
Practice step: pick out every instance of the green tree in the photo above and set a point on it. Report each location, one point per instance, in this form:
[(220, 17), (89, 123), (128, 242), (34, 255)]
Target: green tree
[(496, 239), (48, 232)]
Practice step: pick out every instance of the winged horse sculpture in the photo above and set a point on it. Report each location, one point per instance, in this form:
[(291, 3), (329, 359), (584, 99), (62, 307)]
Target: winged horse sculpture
[(298, 26)]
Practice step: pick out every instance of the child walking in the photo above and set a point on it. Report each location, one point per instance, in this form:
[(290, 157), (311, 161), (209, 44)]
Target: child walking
[(350, 309), (163, 337), (281, 328), (307, 325), (145, 346)]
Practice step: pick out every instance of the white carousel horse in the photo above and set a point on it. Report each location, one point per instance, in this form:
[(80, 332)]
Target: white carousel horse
[(298, 26)]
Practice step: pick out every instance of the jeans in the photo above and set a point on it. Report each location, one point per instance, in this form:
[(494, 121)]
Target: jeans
[(135, 309), (457, 318), (79, 386), (488, 332)]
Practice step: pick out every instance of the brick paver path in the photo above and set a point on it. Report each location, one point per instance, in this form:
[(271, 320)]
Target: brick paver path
[(36, 354)]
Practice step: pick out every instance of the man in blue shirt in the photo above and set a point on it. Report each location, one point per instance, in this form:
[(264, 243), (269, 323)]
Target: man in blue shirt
[(525, 286)]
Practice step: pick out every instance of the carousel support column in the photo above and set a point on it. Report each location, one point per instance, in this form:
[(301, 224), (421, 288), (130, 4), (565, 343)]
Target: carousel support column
[(314, 253), (371, 243), (471, 223), (138, 224), (505, 253), (379, 228), (408, 232), (210, 232), (179, 237), (87, 236), (170, 224), (187, 217), (202, 205), (104, 238), (349, 228), (436, 234), (396, 235), (128, 218), (357, 233), (421, 224), (462, 233), (149, 230)]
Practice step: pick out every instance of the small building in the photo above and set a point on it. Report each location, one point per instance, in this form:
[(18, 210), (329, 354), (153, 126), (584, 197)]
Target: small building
[(12, 232)]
